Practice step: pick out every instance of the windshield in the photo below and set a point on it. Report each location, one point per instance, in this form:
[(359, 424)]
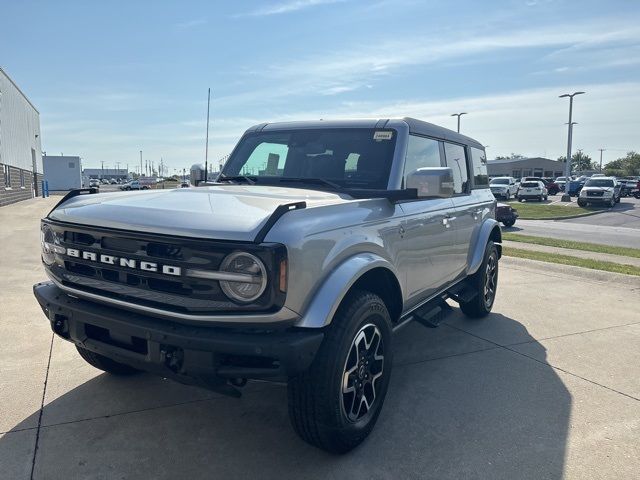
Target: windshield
[(599, 183), (346, 158), (499, 181)]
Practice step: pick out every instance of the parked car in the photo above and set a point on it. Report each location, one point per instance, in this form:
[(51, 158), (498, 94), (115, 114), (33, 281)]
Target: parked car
[(134, 185), (551, 186), (628, 186), (113, 181), (185, 185), (504, 187), (506, 214), (600, 190), (94, 183), (298, 275), (532, 190), (104, 181)]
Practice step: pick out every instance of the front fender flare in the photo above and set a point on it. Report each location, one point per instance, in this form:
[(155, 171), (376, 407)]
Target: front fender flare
[(489, 230), (327, 298)]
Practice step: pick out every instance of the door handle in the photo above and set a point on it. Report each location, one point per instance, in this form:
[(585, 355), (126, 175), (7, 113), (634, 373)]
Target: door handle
[(447, 219)]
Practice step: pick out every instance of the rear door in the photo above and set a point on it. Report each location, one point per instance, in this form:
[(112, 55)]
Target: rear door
[(471, 205)]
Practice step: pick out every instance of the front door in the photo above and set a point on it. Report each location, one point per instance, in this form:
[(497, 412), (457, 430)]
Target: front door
[(427, 254), (35, 172)]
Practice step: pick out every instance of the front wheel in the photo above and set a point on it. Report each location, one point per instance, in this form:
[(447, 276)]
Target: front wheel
[(582, 203), (507, 196), (484, 284), (509, 223), (335, 404), (612, 203)]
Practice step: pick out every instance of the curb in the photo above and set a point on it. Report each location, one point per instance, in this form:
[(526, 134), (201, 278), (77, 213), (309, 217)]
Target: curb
[(588, 214)]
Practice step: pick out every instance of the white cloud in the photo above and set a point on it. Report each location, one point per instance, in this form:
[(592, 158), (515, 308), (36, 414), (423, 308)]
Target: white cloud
[(291, 6)]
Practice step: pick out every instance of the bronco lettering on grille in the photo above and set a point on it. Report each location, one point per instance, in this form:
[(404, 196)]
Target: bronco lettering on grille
[(124, 262)]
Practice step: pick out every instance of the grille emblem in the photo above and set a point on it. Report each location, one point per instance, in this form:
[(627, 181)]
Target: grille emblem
[(124, 262)]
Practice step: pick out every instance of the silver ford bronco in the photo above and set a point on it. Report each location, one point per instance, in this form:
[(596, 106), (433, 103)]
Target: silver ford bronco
[(318, 241)]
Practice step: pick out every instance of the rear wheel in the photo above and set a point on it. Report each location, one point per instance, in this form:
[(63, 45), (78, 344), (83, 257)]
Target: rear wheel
[(104, 363), (335, 404), (509, 223), (485, 283)]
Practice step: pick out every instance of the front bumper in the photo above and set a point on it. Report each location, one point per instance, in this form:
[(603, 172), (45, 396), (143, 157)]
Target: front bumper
[(596, 199), (205, 356)]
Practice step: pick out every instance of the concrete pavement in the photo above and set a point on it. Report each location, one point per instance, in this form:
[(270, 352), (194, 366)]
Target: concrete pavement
[(537, 390)]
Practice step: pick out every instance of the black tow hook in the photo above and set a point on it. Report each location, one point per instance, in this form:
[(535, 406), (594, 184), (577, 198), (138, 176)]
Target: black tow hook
[(173, 357)]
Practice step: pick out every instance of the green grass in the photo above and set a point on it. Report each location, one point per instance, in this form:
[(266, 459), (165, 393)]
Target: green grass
[(569, 260), (584, 246), (541, 211)]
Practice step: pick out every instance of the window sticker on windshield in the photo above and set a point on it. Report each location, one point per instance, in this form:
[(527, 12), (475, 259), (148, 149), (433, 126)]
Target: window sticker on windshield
[(380, 135)]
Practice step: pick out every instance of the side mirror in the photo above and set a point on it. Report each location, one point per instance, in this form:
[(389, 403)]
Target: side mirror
[(432, 182)]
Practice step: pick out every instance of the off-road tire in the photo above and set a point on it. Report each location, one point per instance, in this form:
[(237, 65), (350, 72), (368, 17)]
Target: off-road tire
[(316, 405), (104, 363), (478, 307), (508, 224)]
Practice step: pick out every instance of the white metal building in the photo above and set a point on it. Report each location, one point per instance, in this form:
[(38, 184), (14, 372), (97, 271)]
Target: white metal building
[(62, 172), (20, 147)]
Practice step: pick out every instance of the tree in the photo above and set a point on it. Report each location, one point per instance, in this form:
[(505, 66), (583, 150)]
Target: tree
[(579, 161), (513, 156), (625, 166)]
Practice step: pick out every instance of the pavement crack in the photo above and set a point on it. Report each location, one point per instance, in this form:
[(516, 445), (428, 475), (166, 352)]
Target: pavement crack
[(44, 393), (571, 334), (506, 347)]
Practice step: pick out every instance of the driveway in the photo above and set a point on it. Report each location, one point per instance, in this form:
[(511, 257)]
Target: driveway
[(536, 391), (620, 226)]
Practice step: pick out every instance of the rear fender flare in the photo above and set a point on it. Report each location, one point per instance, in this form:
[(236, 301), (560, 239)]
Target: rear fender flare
[(489, 230)]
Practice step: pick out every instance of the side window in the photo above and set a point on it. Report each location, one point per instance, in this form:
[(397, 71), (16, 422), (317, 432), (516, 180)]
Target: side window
[(266, 159), (479, 162), (457, 162), (421, 152)]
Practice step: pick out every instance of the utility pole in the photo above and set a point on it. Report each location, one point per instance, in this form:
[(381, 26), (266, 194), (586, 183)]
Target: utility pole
[(102, 169), (206, 147), (565, 196), (601, 150), (140, 174)]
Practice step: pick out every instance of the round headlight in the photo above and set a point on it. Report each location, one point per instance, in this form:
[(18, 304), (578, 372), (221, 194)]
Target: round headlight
[(47, 241), (247, 278)]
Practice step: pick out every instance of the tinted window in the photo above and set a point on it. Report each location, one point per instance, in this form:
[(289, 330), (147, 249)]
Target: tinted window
[(421, 152), (530, 184), (500, 181), (479, 165), (457, 162)]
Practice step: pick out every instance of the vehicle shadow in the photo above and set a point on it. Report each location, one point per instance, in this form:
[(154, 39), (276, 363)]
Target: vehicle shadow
[(458, 407)]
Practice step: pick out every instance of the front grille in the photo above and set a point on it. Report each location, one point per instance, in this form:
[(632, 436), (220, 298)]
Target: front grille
[(177, 293), (595, 193)]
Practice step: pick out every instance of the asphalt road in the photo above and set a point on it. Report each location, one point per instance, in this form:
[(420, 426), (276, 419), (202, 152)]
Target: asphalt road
[(535, 391), (619, 226)]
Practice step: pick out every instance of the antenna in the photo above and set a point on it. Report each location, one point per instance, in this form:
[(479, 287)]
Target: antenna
[(206, 148)]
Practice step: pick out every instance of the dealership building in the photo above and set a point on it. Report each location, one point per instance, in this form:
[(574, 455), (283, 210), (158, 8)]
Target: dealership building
[(20, 148), (525, 167)]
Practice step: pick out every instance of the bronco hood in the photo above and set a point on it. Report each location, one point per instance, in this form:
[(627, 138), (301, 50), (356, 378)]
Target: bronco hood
[(225, 212)]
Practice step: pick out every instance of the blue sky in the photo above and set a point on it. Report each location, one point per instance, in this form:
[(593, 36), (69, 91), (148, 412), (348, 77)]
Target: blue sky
[(111, 78)]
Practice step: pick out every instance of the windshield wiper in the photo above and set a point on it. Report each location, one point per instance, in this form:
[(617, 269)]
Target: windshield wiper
[(316, 181), (251, 180)]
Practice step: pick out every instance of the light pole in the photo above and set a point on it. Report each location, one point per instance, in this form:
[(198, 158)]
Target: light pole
[(458, 115), (567, 171), (601, 150)]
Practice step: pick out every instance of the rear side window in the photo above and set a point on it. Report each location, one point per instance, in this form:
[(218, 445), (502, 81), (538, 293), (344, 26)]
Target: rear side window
[(457, 162), (479, 166), (421, 152)]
